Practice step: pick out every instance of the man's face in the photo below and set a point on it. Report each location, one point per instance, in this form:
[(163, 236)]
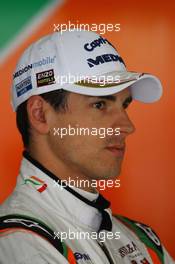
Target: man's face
[(90, 155)]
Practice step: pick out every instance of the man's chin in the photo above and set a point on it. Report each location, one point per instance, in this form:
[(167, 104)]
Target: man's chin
[(114, 171), (110, 174)]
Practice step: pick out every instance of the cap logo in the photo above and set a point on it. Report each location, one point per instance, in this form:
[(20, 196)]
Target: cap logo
[(103, 59), (45, 78), (96, 43), (44, 61), (24, 86)]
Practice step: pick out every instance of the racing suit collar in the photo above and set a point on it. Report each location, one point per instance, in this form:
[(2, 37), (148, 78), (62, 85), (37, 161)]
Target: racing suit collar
[(101, 204)]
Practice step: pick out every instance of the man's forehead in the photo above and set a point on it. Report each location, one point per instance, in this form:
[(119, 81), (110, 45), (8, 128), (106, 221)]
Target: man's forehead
[(122, 95), (113, 97)]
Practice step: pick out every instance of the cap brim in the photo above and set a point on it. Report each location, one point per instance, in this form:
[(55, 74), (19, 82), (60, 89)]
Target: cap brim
[(144, 87)]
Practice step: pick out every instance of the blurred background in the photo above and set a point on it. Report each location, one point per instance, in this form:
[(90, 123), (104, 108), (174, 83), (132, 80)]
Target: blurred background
[(146, 42)]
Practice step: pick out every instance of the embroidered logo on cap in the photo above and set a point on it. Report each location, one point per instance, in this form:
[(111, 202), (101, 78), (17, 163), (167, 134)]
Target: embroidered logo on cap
[(23, 86), (45, 78), (103, 59)]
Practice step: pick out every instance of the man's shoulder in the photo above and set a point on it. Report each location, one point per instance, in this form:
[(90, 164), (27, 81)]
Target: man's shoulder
[(142, 230), (31, 237), (130, 223), (24, 247), (144, 233), (23, 200)]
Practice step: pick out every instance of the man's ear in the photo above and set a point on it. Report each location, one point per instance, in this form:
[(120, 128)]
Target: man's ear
[(37, 109)]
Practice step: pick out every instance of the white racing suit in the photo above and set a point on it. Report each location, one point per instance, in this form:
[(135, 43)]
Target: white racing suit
[(42, 223)]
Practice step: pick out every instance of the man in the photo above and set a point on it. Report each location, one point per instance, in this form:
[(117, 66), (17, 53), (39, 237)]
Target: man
[(75, 80)]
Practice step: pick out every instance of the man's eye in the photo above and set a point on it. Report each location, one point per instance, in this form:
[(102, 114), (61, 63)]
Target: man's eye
[(99, 105), (125, 105)]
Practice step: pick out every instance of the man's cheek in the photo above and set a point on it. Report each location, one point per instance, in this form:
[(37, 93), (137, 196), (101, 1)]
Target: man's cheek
[(83, 146)]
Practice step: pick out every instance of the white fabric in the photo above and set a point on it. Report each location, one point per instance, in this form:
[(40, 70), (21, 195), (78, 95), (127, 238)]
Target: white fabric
[(88, 195), (61, 211)]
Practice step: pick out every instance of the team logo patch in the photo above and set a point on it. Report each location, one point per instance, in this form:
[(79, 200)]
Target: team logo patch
[(23, 86), (38, 183), (45, 78)]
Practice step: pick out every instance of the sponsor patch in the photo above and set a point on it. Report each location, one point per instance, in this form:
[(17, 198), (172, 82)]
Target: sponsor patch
[(45, 78), (43, 61), (127, 249), (96, 43), (103, 59), (82, 256), (24, 86)]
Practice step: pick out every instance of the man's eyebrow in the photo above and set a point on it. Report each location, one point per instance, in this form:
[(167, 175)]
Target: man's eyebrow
[(107, 97), (128, 100)]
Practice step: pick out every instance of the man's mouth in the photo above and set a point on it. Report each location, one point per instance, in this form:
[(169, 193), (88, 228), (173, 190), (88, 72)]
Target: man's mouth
[(117, 150)]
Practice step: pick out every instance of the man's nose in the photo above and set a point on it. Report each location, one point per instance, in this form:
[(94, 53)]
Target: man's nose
[(125, 124)]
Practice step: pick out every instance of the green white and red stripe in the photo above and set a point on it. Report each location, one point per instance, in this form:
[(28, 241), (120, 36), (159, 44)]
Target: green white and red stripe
[(38, 183)]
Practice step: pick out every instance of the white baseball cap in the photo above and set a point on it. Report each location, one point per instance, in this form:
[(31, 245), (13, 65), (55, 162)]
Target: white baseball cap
[(78, 61)]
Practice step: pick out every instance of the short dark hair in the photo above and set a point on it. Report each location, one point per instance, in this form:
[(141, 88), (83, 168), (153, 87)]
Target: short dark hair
[(57, 99)]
